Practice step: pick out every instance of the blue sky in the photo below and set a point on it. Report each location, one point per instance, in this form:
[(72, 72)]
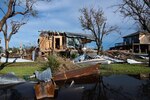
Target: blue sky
[(63, 16)]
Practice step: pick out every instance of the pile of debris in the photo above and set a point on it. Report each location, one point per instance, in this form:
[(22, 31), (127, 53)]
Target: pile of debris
[(119, 54), (131, 58), (65, 65), (85, 59)]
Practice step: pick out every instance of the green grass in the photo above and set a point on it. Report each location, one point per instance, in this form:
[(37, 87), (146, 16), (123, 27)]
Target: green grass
[(25, 69), (124, 69), (22, 69), (25, 64)]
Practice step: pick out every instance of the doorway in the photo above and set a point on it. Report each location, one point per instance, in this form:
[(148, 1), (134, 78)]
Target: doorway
[(57, 43)]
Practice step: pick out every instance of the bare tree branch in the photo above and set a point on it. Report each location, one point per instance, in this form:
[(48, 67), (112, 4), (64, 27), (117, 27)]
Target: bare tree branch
[(15, 26), (12, 11), (23, 8), (7, 15), (94, 21), (139, 10), (147, 2), (2, 11)]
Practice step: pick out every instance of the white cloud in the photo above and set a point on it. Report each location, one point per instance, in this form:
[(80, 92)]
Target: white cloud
[(62, 15), (53, 5)]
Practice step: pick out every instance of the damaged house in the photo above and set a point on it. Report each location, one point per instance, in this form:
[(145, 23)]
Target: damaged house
[(138, 42), (60, 41)]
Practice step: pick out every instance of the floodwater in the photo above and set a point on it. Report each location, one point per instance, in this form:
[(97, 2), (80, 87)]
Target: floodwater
[(114, 87)]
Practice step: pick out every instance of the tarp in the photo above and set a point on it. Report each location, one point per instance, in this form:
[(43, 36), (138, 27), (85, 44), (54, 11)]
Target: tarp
[(86, 59), (132, 61), (113, 59), (82, 58), (46, 75)]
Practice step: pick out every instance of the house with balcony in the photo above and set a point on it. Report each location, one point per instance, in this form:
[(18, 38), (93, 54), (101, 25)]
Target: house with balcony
[(60, 41), (137, 42)]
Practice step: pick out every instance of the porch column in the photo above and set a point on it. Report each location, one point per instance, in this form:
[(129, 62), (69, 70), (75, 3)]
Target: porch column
[(139, 48), (133, 48)]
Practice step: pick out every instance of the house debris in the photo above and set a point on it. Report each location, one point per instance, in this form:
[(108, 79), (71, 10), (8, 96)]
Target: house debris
[(86, 59), (60, 41), (124, 56), (132, 61), (47, 84), (83, 75), (45, 76), (113, 60)]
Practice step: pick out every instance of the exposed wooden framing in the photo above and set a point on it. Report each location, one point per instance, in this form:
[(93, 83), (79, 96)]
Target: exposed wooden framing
[(58, 41)]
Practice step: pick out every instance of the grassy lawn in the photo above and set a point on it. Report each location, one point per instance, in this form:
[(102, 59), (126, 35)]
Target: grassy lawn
[(23, 69), (20, 71), (124, 69)]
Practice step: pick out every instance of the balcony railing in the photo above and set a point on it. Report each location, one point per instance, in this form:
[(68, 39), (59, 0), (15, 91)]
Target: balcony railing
[(119, 44)]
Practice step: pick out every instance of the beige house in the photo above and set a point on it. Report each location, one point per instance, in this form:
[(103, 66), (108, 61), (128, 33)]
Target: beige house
[(144, 38), (60, 41), (138, 42)]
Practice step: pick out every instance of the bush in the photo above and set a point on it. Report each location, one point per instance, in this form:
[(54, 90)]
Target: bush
[(74, 55), (53, 63)]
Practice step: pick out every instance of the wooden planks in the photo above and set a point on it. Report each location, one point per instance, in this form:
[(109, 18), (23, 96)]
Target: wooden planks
[(44, 90), (82, 75)]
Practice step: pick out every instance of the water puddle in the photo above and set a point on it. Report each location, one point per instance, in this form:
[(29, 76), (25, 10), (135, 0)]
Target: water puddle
[(114, 87)]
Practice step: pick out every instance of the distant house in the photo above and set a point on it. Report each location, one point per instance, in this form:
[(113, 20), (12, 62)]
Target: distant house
[(138, 42), (60, 41)]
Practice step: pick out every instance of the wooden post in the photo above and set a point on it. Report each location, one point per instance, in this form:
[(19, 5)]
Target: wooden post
[(52, 43), (133, 48), (139, 48)]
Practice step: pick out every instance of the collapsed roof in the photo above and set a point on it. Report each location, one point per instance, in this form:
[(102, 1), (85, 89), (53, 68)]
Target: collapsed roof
[(85, 37)]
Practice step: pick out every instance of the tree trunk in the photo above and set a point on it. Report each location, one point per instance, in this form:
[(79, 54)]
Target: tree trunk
[(6, 49), (149, 54), (6, 44), (98, 50)]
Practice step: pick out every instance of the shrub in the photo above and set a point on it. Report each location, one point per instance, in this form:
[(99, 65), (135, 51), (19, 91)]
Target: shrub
[(52, 62), (74, 55)]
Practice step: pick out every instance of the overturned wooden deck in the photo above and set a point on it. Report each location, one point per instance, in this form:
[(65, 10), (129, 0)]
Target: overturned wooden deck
[(83, 75), (79, 76)]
